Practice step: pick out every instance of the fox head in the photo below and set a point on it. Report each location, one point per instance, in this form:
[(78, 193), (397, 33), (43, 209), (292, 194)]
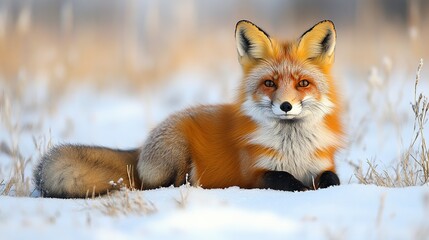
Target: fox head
[(287, 81)]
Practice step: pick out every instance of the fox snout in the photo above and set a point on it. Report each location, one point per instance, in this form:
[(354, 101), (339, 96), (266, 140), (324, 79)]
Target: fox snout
[(286, 109), (286, 106)]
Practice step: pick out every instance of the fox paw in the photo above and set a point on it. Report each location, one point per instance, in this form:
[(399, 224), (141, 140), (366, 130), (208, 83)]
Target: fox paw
[(285, 181), (328, 179)]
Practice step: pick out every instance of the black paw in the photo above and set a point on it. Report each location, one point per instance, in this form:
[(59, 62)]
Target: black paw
[(282, 181), (328, 179)]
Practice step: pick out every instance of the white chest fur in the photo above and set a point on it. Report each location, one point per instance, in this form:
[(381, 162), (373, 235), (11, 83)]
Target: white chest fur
[(296, 144)]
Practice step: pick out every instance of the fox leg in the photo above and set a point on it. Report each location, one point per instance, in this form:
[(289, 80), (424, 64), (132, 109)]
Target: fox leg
[(165, 159), (327, 179), (280, 180)]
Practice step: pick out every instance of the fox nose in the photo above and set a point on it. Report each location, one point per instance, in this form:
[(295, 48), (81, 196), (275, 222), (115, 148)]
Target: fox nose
[(286, 107)]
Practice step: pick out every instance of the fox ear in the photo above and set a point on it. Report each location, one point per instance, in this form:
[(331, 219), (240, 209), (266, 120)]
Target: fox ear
[(319, 42), (252, 42)]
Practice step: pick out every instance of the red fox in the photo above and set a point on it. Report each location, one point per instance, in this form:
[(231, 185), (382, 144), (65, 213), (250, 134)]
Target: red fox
[(281, 132)]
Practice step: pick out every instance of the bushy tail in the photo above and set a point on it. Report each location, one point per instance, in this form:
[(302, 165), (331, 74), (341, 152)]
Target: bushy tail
[(76, 171)]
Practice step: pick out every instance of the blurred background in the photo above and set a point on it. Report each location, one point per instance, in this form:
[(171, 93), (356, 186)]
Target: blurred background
[(106, 71), (144, 42)]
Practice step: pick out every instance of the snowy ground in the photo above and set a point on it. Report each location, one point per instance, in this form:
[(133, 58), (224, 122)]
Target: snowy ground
[(120, 118), (345, 212)]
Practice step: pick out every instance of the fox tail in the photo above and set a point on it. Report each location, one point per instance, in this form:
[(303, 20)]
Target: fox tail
[(77, 171)]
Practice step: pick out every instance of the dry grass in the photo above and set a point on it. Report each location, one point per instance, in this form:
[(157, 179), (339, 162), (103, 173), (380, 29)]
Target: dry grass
[(17, 179), (413, 168), (123, 202), (17, 184), (126, 201), (183, 201)]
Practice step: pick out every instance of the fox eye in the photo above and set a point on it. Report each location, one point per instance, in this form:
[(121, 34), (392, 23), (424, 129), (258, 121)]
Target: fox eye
[(269, 83), (304, 83)]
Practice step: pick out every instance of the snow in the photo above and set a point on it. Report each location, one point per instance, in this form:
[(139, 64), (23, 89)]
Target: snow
[(349, 211)]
